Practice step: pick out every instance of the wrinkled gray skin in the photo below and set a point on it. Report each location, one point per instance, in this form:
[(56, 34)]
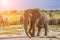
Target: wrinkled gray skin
[(36, 14)]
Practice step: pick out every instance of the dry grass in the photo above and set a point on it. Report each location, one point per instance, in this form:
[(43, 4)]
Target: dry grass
[(11, 27), (15, 17), (11, 30)]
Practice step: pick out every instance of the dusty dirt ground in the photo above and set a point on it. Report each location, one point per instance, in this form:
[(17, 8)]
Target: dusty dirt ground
[(52, 35), (24, 37)]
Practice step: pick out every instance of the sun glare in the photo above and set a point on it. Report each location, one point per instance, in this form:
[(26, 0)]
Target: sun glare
[(4, 2)]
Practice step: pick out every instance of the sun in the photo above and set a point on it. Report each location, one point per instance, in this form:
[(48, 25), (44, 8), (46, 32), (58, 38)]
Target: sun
[(4, 2)]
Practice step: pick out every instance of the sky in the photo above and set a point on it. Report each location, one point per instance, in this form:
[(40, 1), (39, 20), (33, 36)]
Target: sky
[(25, 4)]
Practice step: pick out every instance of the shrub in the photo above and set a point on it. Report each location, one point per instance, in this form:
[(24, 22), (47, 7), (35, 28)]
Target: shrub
[(53, 21), (58, 21)]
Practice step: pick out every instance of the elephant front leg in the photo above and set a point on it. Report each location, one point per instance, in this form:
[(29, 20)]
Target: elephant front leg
[(46, 29), (39, 29)]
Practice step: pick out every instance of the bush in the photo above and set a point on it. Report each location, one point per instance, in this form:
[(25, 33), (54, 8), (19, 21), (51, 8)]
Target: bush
[(58, 21), (53, 21)]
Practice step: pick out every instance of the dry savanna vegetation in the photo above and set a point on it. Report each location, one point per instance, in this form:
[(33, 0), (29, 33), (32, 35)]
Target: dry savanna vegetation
[(11, 20), (13, 23)]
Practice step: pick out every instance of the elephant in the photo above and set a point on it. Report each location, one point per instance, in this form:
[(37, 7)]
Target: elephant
[(30, 17), (4, 20)]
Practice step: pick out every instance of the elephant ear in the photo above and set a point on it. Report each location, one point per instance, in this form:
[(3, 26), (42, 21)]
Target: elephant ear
[(28, 12), (25, 13)]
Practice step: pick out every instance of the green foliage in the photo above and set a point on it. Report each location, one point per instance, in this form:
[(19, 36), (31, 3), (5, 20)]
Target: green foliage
[(58, 21), (53, 21)]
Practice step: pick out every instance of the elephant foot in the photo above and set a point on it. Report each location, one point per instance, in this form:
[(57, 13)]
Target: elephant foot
[(45, 35), (31, 34), (38, 35), (28, 35)]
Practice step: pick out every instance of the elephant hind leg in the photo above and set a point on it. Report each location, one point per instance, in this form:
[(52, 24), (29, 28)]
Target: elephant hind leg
[(32, 31), (26, 31)]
